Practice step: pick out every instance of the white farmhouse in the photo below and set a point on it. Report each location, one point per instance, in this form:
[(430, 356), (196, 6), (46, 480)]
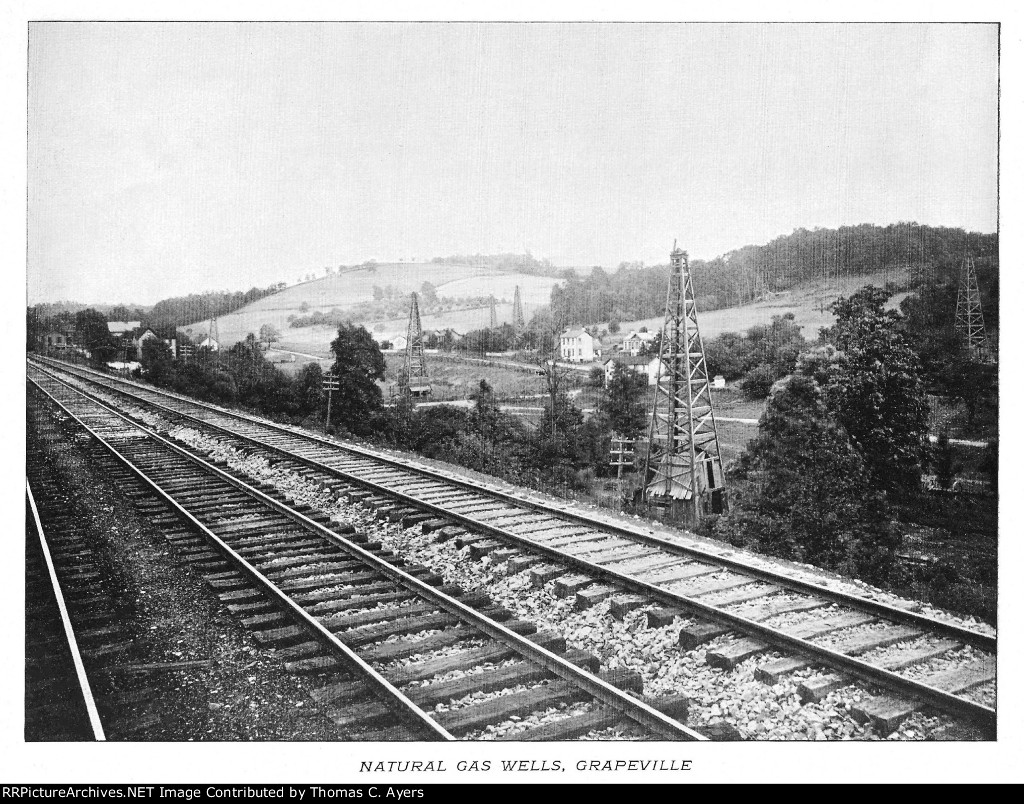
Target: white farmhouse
[(635, 342), (576, 345)]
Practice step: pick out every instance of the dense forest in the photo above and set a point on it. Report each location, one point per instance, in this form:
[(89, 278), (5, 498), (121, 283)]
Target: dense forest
[(636, 291)]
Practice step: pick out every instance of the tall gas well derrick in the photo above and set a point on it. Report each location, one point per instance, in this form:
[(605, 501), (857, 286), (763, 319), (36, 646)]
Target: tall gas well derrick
[(683, 479), (970, 322), (413, 381), (518, 320)]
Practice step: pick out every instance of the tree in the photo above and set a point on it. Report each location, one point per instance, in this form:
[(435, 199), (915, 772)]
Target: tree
[(812, 497), (308, 389), (624, 405), (485, 411), (429, 294), (652, 347), (877, 392), (729, 354), (157, 362), (269, 334), (359, 365), (260, 385), (758, 382), (93, 334)]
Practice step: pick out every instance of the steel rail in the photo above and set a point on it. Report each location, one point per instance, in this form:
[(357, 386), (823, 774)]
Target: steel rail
[(601, 690), (877, 608), (382, 685), (69, 631), (835, 659)]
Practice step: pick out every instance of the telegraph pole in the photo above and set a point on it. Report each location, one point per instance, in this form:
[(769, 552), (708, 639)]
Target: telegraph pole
[(331, 384), (622, 456)]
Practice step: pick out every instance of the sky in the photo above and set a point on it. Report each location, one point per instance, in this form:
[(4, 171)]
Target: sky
[(165, 159)]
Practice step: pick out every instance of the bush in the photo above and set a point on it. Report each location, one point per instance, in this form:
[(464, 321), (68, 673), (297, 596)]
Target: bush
[(758, 382)]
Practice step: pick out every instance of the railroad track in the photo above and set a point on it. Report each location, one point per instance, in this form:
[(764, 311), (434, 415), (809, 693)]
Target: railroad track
[(593, 559), (59, 702), (440, 663)]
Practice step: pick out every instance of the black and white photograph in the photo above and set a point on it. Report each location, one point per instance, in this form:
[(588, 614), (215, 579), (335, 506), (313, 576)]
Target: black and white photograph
[(585, 392)]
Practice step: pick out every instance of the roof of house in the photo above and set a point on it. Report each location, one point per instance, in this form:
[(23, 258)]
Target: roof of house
[(644, 336), (575, 332), (630, 360), (120, 327)]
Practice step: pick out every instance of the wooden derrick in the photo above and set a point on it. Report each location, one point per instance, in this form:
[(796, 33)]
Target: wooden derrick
[(683, 478)]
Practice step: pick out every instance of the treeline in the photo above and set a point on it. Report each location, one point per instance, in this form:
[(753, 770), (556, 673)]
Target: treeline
[(742, 276), (164, 317), (521, 263), (179, 311), (240, 375), (390, 307)]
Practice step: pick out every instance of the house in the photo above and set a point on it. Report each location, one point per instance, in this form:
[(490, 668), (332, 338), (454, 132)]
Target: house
[(140, 338), (57, 340), (148, 335), (119, 328), (647, 365), (576, 345), (623, 361), (634, 343)]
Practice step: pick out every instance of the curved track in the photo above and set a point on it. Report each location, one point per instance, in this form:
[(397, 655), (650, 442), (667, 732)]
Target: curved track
[(601, 558), (334, 602)]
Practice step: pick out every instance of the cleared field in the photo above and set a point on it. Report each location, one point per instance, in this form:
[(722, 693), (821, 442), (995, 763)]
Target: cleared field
[(808, 303), (342, 291)]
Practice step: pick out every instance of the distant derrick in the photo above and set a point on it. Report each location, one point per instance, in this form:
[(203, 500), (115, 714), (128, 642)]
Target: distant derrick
[(518, 321), (413, 381), (969, 319), (494, 314), (683, 478)]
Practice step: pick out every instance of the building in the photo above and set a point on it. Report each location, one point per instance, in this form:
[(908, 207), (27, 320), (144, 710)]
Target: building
[(209, 343), (147, 334), (576, 345), (133, 333), (56, 340), (647, 365), (635, 342), (141, 338), (120, 328)]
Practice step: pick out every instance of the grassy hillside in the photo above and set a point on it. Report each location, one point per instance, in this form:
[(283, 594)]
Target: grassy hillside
[(808, 302), (343, 291)]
